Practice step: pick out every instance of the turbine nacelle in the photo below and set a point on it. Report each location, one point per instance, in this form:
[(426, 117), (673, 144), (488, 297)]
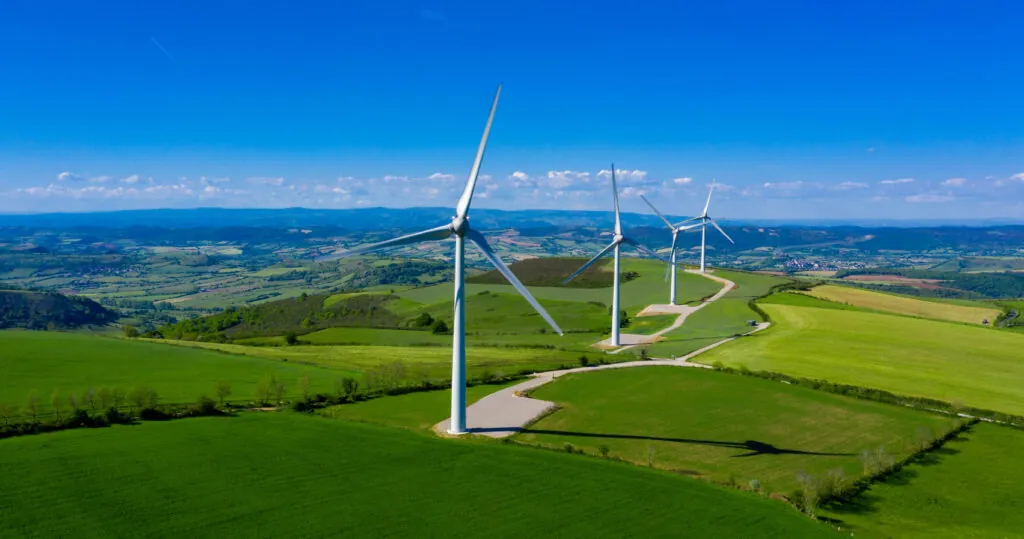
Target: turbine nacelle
[(459, 225)]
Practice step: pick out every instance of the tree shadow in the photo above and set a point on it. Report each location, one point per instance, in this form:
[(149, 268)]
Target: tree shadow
[(753, 448)]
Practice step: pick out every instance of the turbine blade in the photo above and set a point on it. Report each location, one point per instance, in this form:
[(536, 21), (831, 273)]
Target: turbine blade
[(467, 194), (687, 221), (615, 195), (481, 242), (708, 203), (658, 212), (672, 251), (438, 233), (644, 250), (714, 224), (589, 262)]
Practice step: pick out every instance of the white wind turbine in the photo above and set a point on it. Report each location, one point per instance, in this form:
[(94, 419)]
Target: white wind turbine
[(459, 227), (703, 224), (617, 240), (676, 229)]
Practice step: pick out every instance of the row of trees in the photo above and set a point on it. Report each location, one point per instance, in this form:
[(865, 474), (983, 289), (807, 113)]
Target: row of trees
[(91, 400)]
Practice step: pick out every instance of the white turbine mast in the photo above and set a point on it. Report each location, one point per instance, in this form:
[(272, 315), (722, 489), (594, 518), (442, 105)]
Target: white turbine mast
[(676, 229), (617, 239), (703, 221), (460, 228)]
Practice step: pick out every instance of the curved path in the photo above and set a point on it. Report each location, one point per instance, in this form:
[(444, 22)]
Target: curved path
[(506, 412)]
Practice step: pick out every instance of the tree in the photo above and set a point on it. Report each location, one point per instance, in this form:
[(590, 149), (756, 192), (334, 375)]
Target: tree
[(6, 412), (809, 491), (55, 403), (130, 331), (222, 390), (262, 392), (89, 399), (440, 327), (423, 320), (277, 386), (32, 404), (291, 339), (118, 397), (105, 398), (73, 402), (347, 387), (304, 387)]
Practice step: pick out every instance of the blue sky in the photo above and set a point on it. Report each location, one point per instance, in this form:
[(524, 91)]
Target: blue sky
[(799, 109)]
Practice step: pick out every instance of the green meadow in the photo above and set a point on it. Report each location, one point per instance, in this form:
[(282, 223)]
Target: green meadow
[(971, 487), (723, 426), (290, 475), (909, 356), (74, 362)]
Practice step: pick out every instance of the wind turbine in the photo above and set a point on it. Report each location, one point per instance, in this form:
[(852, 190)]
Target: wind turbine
[(617, 240), (459, 227), (703, 224), (676, 229)]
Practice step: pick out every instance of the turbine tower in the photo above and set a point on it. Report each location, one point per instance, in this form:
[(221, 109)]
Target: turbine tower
[(703, 224), (617, 240), (676, 229), (460, 228)]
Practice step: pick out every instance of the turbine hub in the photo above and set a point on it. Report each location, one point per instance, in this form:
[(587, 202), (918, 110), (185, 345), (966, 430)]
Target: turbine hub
[(459, 225), (618, 238)]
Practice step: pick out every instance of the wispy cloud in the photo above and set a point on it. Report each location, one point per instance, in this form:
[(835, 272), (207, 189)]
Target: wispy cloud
[(683, 181), (265, 180), (162, 49), (954, 182), (847, 186), (897, 182), (930, 197)]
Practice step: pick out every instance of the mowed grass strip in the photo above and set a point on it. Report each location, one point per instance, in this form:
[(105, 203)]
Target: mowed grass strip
[(720, 425), (74, 362), (974, 366), (903, 305), (290, 475), (971, 487)]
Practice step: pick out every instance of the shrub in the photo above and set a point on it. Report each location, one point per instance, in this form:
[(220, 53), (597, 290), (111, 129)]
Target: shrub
[(423, 320), (205, 406), (755, 485), (130, 331), (604, 450), (439, 327), (584, 361), (291, 339)]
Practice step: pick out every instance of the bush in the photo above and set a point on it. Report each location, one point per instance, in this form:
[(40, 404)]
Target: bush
[(130, 331), (584, 361), (291, 339), (205, 406), (440, 327), (424, 320)]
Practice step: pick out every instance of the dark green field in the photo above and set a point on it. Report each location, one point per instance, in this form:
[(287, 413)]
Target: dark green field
[(285, 475), (969, 488), (719, 425)]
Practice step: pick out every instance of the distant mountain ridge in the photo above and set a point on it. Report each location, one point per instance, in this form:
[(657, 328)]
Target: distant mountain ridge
[(379, 218)]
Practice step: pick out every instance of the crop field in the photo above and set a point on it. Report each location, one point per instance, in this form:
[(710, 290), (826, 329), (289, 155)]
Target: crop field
[(969, 488), (720, 425), (903, 305), (432, 361), (720, 320), (351, 480), (908, 356), (74, 362), (650, 287)]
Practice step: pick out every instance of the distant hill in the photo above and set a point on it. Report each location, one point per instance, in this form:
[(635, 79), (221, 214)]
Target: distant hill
[(50, 310)]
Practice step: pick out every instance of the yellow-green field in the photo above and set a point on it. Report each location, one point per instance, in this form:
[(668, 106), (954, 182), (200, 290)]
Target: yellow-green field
[(903, 305), (952, 362)]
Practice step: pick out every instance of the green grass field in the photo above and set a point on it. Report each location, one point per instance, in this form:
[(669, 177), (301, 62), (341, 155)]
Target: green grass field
[(290, 475), (436, 361), (649, 288), (74, 362), (720, 320), (909, 356), (719, 425), (969, 488), (904, 305), (420, 410)]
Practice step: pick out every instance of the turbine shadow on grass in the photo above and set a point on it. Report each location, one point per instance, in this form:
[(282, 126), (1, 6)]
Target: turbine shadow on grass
[(754, 448)]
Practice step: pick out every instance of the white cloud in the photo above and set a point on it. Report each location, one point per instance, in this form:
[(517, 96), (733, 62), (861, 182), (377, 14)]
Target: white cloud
[(131, 180), (896, 182), (846, 186), (100, 179), (69, 177), (879, 198), (1018, 177), (264, 180), (441, 177), (930, 197), (783, 185), (431, 191), (954, 182), (624, 174), (683, 181)]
